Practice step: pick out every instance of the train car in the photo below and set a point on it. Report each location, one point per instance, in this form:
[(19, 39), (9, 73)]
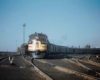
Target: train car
[(38, 45), (57, 49), (52, 49)]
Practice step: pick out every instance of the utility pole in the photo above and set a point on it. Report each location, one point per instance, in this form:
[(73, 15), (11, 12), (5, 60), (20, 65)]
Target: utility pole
[(92, 45), (24, 33), (16, 44)]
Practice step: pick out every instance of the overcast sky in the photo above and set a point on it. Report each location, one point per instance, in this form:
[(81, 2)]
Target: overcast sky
[(66, 22)]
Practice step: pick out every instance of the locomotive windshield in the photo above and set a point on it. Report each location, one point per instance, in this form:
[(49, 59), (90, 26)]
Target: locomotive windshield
[(41, 39)]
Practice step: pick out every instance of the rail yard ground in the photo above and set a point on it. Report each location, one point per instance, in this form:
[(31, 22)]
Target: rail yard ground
[(60, 67), (19, 70)]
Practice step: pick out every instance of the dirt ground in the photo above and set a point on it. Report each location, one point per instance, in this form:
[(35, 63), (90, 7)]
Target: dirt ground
[(19, 70)]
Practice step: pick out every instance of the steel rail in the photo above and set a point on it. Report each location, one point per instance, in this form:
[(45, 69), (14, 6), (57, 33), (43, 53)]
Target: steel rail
[(47, 77), (87, 68), (85, 76)]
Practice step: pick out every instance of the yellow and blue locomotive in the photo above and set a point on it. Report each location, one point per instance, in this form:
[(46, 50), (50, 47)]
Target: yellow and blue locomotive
[(37, 45)]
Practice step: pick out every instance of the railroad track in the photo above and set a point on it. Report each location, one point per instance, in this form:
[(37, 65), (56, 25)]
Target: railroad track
[(66, 70), (93, 62), (95, 58), (38, 70), (90, 66), (3, 59), (47, 68), (87, 59), (20, 70)]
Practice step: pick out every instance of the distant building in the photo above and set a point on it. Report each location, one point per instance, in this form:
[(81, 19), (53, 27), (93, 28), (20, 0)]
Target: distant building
[(88, 46)]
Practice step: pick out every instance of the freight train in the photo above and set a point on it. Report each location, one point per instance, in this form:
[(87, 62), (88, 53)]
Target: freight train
[(39, 46)]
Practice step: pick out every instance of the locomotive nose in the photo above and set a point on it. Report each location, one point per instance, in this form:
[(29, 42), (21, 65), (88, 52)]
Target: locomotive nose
[(36, 42)]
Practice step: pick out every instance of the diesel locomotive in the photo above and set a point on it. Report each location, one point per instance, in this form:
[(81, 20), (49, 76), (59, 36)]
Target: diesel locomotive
[(38, 45)]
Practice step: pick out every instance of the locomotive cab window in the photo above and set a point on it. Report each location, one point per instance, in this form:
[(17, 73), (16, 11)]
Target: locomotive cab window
[(43, 40), (30, 42)]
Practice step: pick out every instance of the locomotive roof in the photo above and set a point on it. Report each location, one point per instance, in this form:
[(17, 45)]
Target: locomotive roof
[(57, 45), (38, 34)]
